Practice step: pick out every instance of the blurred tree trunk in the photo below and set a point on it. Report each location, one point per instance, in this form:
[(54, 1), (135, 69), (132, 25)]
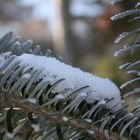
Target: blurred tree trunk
[(67, 25), (70, 40), (58, 30), (63, 39)]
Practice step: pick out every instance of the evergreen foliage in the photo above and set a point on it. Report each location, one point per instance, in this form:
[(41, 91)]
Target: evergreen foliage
[(32, 109)]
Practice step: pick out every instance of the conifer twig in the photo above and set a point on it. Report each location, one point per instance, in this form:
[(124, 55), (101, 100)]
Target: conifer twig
[(55, 117)]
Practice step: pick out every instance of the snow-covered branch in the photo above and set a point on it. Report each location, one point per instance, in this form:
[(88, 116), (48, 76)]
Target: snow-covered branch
[(49, 70)]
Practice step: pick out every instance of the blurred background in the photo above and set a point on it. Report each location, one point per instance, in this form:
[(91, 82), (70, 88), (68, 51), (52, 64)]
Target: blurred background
[(80, 31)]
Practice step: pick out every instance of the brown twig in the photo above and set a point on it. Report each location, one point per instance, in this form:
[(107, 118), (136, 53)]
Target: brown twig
[(81, 125)]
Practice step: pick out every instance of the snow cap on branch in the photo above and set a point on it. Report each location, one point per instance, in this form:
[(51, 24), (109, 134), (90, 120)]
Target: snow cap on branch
[(73, 78)]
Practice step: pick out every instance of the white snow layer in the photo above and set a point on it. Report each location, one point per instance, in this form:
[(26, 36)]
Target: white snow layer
[(99, 88)]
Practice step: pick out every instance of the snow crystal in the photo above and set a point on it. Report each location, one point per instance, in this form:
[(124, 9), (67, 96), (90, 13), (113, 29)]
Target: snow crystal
[(102, 102), (10, 135), (65, 119), (29, 100), (88, 120), (73, 76), (27, 76), (83, 94), (59, 96), (90, 132), (36, 127), (130, 114)]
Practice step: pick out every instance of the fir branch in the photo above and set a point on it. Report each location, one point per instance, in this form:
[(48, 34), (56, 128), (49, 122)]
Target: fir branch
[(57, 118)]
